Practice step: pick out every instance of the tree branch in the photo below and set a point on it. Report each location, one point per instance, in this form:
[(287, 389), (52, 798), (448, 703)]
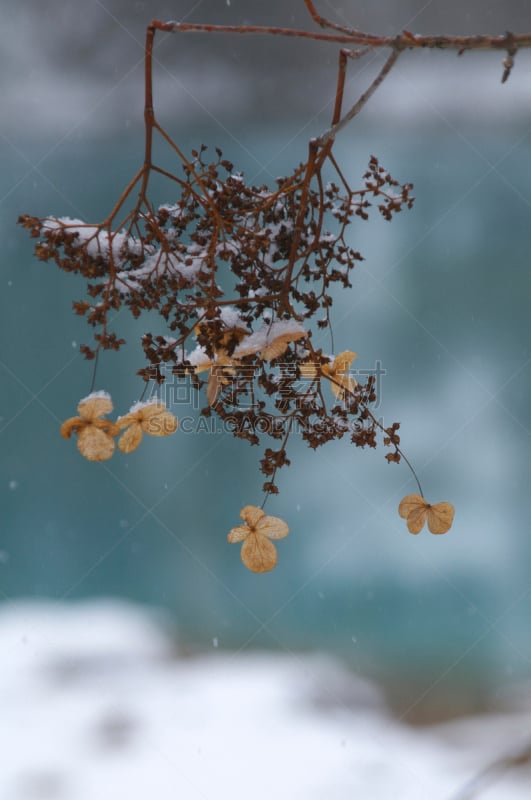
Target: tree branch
[(404, 41)]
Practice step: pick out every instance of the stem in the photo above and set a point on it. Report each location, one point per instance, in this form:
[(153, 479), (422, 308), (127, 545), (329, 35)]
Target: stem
[(367, 94), (404, 41), (94, 370), (408, 462), (282, 447), (149, 115), (376, 422)]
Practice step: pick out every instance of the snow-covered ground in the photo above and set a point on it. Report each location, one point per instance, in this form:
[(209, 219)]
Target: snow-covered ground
[(98, 702)]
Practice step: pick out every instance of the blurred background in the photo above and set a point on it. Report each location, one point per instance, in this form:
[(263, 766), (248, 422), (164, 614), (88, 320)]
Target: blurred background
[(441, 302)]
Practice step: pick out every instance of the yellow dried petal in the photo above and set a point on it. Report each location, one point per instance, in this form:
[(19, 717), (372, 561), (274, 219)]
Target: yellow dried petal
[(93, 407), (238, 534), (280, 344), (94, 444), (410, 503), (125, 421), (416, 519), (341, 385), (258, 553), (161, 424), (272, 527), (72, 425), (130, 438), (106, 426), (251, 515), (440, 517), (309, 369), (214, 385), (152, 410), (275, 349), (343, 361), (204, 366)]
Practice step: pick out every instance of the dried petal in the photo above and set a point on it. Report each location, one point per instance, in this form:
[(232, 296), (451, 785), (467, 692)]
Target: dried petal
[(340, 382), (126, 420), (440, 517), (410, 503), (416, 519), (105, 425), (151, 410), (258, 553), (280, 344), (95, 406), (309, 369), (94, 444), (342, 385), (251, 515), (130, 438), (72, 425), (163, 423), (204, 366), (238, 534), (275, 349), (214, 385), (343, 361), (272, 527)]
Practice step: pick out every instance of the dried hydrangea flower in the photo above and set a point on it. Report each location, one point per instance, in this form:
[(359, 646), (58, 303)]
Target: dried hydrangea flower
[(415, 510), (229, 334), (151, 418), (280, 343), (258, 553), (340, 381), (95, 436), (221, 367), (337, 372), (270, 341)]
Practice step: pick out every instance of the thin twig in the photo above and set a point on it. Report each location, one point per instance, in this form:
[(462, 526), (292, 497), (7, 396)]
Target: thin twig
[(404, 41), (358, 105)]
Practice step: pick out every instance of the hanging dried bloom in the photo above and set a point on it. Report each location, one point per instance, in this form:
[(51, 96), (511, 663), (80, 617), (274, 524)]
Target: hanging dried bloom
[(258, 553), (271, 340), (222, 368), (340, 381), (223, 336), (280, 343), (95, 436), (415, 510), (151, 418), (337, 372)]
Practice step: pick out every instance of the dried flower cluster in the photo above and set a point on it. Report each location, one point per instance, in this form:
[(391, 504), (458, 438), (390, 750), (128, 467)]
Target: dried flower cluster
[(95, 436), (282, 249), (241, 278)]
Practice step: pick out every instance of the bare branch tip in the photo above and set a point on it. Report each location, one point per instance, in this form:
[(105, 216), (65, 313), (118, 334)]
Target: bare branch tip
[(508, 62)]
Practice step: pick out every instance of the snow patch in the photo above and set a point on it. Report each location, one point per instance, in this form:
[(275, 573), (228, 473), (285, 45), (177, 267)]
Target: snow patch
[(94, 694)]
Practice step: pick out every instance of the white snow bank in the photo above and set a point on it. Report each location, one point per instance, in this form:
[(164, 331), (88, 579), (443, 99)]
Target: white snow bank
[(96, 704)]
